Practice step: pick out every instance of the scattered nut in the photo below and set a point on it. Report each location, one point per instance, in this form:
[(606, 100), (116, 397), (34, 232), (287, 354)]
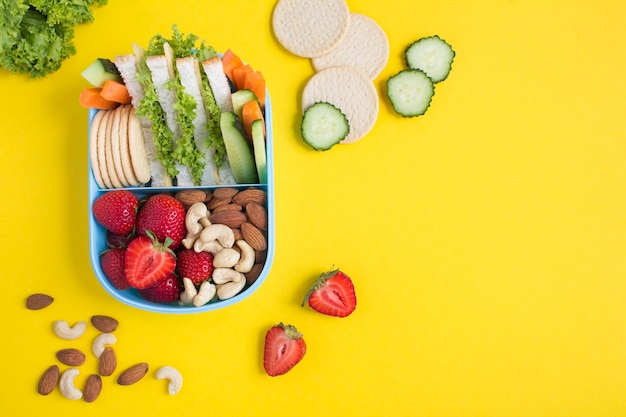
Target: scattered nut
[(38, 301), (133, 374), (99, 343), (93, 386), (66, 385), (173, 376), (105, 324), (48, 380), (107, 362), (64, 331), (71, 357)]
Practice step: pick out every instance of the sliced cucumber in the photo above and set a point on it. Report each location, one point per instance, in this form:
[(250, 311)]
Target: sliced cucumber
[(240, 98), (258, 143), (324, 125), (432, 55), (238, 149), (410, 92), (101, 70)]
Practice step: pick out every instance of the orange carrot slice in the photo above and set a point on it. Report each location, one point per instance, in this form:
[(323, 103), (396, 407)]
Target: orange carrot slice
[(250, 112), (230, 61), (115, 91), (90, 98), (255, 81), (240, 74)]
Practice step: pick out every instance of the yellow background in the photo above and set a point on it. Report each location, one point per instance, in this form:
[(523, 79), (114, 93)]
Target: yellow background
[(486, 239)]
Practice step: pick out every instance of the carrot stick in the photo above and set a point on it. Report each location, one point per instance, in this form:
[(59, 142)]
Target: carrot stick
[(250, 112), (230, 61), (240, 74), (255, 81), (115, 91), (91, 98)]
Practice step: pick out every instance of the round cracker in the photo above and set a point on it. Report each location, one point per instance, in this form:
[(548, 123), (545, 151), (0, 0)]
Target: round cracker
[(116, 146), (137, 148), (351, 91), (108, 153), (102, 161), (127, 166), (365, 47), (93, 148), (310, 28)]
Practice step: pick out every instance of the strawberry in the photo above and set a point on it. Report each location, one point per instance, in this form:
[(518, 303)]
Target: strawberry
[(197, 266), (284, 348), (148, 262), (112, 264), (164, 215), (116, 211), (332, 294), (166, 291), (115, 240)]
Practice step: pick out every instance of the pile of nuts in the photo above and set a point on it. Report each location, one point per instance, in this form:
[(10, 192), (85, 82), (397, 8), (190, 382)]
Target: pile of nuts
[(231, 224), (102, 349)]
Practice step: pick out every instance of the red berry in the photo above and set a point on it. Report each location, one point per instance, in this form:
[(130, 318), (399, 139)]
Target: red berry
[(197, 266), (148, 262), (284, 348), (166, 291), (332, 294), (116, 211), (115, 240), (164, 215), (112, 264)]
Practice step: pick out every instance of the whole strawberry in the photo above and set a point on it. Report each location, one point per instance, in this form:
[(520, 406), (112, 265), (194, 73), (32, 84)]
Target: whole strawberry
[(166, 291), (197, 266), (116, 211), (332, 294), (164, 215), (112, 264), (115, 240), (148, 261), (284, 348)]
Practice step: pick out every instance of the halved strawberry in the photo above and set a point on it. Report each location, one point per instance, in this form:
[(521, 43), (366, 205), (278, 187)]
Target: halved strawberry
[(116, 211), (284, 348), (166, 291), (332, 294), (164, 216), (148, 261)]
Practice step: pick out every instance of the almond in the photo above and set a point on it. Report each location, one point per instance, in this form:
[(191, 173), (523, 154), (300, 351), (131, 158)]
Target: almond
[(230, 218), (253, 274), (217, 202), (133, 374), (253, 236), (229, 206), (190, 197), (38, 301), (107, 362), (237, 234), (105, 324), (257, 215), (251, 195), (93, 386), (71, 357), (48, 380), (225, 193)]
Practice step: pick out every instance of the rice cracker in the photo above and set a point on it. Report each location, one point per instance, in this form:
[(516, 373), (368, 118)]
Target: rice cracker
[(137, 149), (310, 28), (351, 91), (364, 47), (93, 148)]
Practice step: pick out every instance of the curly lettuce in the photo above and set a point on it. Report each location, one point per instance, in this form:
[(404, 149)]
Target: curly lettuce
[(37, 36)]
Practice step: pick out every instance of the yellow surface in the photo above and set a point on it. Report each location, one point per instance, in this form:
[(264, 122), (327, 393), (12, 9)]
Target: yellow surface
[(486, 239)]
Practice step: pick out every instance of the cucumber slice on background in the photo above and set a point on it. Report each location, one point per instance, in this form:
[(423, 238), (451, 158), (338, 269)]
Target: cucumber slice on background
[(258, 145), (410, 92), (238, 150), (324, 125), (432, 55)]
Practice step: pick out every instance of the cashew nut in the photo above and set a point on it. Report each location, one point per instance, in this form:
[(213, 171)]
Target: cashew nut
[(189, 292), (192, 219), (65, 331), (67, 387), (247, 259), (100, 342), (205, 294), (220, 232), (213, 246), (173, 376), (226, 258), (224, 275), (230, 289)]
